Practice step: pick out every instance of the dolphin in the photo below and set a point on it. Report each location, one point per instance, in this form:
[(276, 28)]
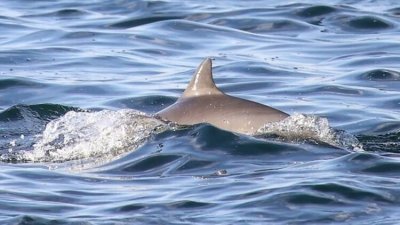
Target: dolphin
[(203, 102)]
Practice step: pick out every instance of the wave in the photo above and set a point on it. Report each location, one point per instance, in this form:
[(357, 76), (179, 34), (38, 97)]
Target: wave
[(60, 134)]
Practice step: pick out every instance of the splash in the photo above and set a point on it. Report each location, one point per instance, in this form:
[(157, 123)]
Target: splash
[(300, 128), (83, 135), (105, 135)]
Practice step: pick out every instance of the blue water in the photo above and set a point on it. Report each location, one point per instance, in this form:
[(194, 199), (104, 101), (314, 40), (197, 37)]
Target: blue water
[(79, 81)]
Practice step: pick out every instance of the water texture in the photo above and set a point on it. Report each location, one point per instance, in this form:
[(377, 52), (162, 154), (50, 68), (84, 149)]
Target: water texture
[(80, 81)]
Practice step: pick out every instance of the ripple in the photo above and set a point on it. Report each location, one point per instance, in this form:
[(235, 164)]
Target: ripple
[(372, 164), (358, 158), (66, 13), (131, 207), (390, 103), (263, 26), (395, 11), (11, 26), (37, 37), (334, 89), (349, 192), (19, 83), (385, 168), (175, 30), (304, 198), (388, 142), (194, 164), (80, 35), (89, 90), (134, 22), (69, 12), (318, 10), (150, 163), (25, 220), (44, 112), (369, 23), (209, 137), (252, 69), (381, 75), (186, 204)]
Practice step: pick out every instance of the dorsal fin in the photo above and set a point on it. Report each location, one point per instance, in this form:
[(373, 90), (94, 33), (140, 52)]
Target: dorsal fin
[(202, 82)]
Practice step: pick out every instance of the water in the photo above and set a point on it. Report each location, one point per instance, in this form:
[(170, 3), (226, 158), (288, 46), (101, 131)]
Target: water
[(80, 80)]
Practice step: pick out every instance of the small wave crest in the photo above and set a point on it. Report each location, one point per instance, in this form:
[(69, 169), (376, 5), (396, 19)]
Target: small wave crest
[(300, 127), (83, 135)]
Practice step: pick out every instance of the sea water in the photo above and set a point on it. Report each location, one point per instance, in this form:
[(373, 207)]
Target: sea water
[(81, 80)]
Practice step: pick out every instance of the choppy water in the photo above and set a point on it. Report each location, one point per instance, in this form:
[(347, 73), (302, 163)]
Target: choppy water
[(79, 81)]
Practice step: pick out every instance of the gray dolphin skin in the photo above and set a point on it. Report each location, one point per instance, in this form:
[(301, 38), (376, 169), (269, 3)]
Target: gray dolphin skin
[(203, 102)]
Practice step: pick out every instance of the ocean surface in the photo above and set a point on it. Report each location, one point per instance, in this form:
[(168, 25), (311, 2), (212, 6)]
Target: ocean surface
[(81, 80)]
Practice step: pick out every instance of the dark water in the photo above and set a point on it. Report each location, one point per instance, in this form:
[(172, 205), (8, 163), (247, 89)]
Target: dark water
[(102, 163)]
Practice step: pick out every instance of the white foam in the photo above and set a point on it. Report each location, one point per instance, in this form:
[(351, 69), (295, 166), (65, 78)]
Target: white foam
[(107, 134), (300, 127), (82, 135)]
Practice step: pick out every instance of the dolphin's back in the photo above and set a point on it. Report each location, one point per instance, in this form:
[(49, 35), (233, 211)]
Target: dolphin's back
[(223, 111), (203, 102)]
